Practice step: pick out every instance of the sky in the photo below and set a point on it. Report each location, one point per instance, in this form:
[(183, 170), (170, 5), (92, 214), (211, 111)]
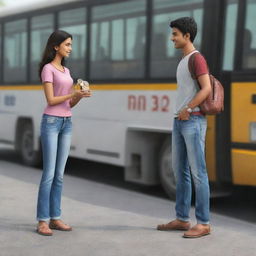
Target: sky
[(21, 2)]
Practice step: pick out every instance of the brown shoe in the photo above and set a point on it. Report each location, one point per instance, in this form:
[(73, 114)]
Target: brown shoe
[(174, 225), (43, 229), (197, 231), (59, 225)]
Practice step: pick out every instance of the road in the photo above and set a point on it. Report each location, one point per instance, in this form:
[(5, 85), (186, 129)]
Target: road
[(106, 219), (241, 204)]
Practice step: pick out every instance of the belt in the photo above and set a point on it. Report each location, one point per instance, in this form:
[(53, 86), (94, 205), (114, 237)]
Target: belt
[(197, 113)]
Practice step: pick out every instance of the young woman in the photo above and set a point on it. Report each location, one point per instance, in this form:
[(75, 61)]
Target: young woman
[(56, 128)]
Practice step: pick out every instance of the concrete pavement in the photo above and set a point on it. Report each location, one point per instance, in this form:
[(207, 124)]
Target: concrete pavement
[(99, 230)]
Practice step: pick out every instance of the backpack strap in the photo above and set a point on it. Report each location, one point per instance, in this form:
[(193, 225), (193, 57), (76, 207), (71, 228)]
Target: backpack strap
[(191, 65)]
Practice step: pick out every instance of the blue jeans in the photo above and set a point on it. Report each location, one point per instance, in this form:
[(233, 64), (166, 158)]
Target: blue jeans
[(56, 138), (188, 159)]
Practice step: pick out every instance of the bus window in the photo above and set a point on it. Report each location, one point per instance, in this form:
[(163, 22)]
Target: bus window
[(164, 57), (249, 43), (74, 22), (118, 40), (103, 45), (230, 35), (41, 28), (117, 49), (15, 51)]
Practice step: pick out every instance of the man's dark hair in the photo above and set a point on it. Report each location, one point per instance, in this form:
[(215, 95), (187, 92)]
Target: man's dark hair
[(185, 25)]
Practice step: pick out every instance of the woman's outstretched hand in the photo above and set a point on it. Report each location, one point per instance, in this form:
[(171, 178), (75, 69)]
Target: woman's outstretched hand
[(87, 93), (77, 94)]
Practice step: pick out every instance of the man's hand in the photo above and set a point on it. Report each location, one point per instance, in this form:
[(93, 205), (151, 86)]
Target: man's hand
[(184, 115)]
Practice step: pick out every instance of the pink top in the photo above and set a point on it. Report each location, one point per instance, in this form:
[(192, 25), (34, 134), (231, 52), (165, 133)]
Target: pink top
[(62, 85)]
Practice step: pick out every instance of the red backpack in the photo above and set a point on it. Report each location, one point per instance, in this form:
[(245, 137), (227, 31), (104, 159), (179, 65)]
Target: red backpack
[(214, 103)]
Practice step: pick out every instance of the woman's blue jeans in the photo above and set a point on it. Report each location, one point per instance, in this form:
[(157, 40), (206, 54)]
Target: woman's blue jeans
[(188, 158), (55, 138)]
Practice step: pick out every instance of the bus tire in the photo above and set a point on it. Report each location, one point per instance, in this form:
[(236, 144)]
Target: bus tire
[(28, 155), (167, 175)]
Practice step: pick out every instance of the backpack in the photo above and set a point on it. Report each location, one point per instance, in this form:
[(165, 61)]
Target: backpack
[(214, 103)]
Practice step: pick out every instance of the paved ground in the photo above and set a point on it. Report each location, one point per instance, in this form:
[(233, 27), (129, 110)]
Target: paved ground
[(102, 230)]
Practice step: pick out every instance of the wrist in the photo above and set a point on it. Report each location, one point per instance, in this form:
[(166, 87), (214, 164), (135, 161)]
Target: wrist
[(188, 109)]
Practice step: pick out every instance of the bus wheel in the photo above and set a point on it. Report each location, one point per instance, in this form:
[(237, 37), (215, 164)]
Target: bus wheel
[(167, 176), (29, 156)]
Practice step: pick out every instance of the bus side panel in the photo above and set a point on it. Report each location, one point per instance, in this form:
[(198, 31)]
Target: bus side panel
[(98, 140), (100, 123), (243, 165), (14, 108), (210, 148), (8, 116), (7, 128), (243, 114)]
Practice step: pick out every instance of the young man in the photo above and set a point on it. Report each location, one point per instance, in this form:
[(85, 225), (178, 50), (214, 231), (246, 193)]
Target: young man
[(188, 135)]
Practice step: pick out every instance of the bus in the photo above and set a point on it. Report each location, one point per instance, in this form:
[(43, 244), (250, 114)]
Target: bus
[(123, 48)]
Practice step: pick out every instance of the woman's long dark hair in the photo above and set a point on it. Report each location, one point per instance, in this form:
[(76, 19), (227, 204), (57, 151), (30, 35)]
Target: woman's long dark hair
[(55, 39)]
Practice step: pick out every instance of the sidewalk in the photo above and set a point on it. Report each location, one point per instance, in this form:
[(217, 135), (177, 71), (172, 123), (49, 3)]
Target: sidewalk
[(103, 231)]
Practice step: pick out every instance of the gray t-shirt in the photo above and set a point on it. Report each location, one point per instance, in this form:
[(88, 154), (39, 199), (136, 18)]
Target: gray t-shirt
[(187, 87)]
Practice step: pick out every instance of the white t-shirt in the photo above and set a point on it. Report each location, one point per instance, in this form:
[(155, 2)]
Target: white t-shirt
[(187, 86)]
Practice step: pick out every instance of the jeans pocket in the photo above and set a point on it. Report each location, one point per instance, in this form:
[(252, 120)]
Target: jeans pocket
[(51, 119), (49, 123)]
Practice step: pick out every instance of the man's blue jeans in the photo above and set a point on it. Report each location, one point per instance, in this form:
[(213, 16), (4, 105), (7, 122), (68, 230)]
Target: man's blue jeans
[(188, 158), (56, 138)]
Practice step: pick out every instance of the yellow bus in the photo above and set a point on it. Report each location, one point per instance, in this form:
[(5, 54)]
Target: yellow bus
[(123, 49)]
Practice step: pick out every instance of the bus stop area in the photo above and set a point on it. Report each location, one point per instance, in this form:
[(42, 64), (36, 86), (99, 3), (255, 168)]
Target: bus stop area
[(100, 230)]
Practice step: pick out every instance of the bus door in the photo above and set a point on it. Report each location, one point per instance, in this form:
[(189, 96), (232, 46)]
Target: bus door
[(243, 98), (218, 48)]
